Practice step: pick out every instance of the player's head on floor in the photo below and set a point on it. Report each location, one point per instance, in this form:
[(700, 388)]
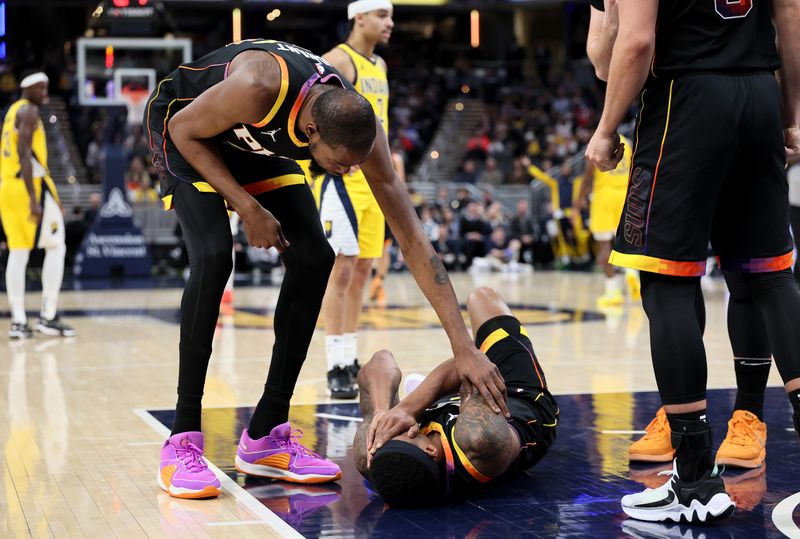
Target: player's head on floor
[(342, 133), (34, 85), (409, 472), (372, 19)]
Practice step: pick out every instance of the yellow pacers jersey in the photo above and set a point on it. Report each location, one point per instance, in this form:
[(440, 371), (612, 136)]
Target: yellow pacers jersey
[(617, 178), (371, 82), (9, 156), (18, 224)]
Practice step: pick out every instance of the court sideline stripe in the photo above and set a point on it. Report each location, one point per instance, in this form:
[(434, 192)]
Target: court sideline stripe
[(341, 417), (241, 495)]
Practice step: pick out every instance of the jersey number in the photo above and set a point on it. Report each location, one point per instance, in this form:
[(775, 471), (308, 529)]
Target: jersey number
[(733, 9)]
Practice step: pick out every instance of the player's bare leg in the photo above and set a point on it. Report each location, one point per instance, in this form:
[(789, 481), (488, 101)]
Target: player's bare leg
[(340, 382)]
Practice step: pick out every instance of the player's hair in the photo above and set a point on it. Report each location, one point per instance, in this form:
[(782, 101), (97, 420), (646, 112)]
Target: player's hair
[(345, 118), (405, 476)]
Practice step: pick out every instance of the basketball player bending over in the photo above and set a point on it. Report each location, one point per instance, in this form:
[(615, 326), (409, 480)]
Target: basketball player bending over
[(226, 131), (438, 442), (30, 211)]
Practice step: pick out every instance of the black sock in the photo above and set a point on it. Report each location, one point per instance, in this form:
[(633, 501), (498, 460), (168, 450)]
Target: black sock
[(187, 414), (751, 381), (691, 438), (272, 410)]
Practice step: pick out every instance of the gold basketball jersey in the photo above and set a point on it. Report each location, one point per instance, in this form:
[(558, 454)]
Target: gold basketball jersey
[(617, 178), (9, 154), (371, 82)]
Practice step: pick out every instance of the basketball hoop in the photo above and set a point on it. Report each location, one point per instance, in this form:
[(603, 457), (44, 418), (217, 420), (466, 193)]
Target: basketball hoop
[(135, 100)]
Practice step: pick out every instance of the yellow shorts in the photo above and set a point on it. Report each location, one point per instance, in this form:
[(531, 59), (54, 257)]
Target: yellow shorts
[(605, 212), (15, 211), (348, 210)]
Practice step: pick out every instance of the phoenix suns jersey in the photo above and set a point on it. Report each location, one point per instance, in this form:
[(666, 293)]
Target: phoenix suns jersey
[(728, 36), (267, 149)]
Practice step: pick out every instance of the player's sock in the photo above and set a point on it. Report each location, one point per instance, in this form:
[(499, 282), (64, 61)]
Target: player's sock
[(350, 341), (613, 284), (334, 351), (751, 381), (691, 439), (15, 283), (52, 277), (271, 411)]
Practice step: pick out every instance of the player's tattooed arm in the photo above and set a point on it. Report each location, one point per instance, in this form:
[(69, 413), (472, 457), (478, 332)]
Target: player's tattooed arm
[(486, 438), (439, 273)]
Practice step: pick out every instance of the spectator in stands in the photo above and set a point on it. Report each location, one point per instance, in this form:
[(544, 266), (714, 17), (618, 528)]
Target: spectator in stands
[(519, 172), (95, 201), (429, 225), (135, 144), (442, 199), (468, 173), (491, 174), (446, 246), (478, 146), (96, 156), (459, 204), (523, 230), (495, 216), (139, 183), (474, 233)]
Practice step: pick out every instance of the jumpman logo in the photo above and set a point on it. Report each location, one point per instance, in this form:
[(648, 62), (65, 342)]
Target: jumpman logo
[(271, 134)]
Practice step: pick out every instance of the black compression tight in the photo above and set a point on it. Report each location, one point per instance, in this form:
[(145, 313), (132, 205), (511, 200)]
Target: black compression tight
[(778, 300), (308, 261), (675, 309)]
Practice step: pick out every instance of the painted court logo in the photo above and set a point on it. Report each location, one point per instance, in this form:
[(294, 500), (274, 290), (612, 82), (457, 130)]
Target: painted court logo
[(636, 207)]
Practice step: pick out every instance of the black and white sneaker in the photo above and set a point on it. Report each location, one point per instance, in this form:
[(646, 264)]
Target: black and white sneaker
[(55, 328), (704, 500), (639, 529), (19, 331), (353, 369), (342, 384)]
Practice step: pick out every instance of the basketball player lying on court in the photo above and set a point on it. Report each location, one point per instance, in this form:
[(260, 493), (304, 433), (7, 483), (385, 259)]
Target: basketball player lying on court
[(437, 443)]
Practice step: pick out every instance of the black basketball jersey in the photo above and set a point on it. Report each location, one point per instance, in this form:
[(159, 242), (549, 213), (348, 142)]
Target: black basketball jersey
[(276, 134), (725, 36)]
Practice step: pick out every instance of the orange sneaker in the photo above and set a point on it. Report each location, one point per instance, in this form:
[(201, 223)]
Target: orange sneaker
[(656, 444), (745, 444)]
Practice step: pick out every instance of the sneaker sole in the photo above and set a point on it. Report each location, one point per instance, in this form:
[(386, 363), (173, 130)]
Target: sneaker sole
[(742, 463), (642, 457), (283, 475), (342, 394), (44, 330), (189, 494), (719, 507)]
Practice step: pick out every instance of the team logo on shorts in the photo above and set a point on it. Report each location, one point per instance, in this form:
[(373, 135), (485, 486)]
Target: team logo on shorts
[(328, 229), (636, 207)]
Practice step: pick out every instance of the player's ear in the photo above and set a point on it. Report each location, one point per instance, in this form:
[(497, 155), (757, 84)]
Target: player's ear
[(431, 451), (312, 131)]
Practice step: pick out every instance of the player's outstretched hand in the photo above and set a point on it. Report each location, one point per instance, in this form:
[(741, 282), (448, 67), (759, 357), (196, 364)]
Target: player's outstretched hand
[(605, 151), (791, 138), (263, 230), (387, 425), (478, 373)]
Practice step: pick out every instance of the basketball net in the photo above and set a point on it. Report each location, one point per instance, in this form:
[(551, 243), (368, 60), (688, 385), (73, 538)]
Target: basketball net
[(135, 100)]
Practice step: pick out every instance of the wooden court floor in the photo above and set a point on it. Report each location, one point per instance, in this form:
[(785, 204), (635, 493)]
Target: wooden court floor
[(80, 455)]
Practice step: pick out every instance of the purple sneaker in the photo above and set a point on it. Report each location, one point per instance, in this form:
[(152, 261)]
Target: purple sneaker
[(280, 456), (184, 472)]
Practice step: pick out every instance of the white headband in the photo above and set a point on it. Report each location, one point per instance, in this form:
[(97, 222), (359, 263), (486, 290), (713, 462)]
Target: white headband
[(364, 6), (33, 79)]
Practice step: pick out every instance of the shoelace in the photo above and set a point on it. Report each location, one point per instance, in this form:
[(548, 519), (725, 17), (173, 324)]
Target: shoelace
[(293, 444), (192, 457), (656, 426), (741, 431)]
